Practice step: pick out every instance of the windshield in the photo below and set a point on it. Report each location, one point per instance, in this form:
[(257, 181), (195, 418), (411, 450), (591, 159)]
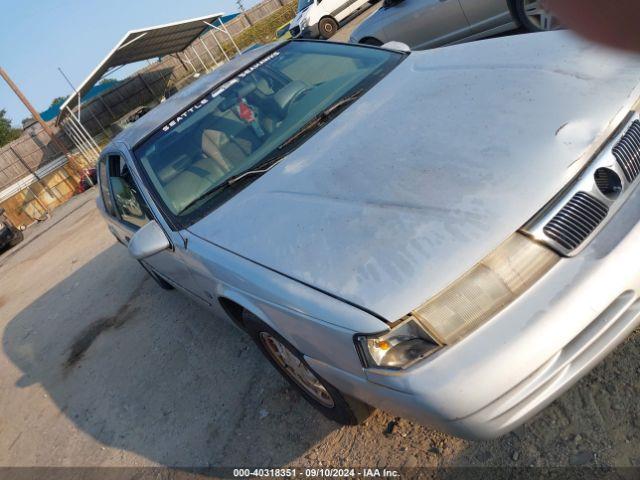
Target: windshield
[(302, 4), (242, 123)]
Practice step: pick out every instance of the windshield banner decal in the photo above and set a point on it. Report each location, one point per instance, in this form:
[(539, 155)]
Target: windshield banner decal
[(184, 115)]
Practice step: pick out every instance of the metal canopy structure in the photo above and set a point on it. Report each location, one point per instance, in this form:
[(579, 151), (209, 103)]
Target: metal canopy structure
[(135, 46), (145, 44)]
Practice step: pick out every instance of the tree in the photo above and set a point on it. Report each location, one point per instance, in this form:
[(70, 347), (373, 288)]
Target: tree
[(7, 132), (108, 81), (57, 101)]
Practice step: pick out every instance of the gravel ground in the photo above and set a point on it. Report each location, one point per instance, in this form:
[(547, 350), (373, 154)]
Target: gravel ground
[(101, 367)]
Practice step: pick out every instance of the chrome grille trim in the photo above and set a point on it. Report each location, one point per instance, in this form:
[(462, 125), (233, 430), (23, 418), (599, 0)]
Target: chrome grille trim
[(627, 152), (578, 219), (570, 221)]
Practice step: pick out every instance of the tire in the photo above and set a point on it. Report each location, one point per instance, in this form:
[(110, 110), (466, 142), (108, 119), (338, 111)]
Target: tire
[(163, 284), (371, 41), (339, 407), (327, 27), (531, 21), (18, 237)]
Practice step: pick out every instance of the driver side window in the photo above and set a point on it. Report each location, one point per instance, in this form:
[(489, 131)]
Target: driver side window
[(126, 198)]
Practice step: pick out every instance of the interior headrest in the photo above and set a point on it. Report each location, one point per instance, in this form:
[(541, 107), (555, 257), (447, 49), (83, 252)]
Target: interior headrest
[(231, 96)]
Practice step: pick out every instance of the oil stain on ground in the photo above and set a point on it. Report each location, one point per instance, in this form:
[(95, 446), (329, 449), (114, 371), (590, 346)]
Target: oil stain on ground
[(82, 343), (85, 339)]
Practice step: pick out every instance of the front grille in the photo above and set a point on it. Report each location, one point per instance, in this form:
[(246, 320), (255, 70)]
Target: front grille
[(578, 219), (627, 152), (295, 31)]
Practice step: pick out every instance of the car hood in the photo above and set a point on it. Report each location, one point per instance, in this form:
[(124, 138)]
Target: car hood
[(431, 169)]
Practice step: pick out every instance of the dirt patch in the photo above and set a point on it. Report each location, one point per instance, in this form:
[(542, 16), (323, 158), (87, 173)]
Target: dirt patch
[(82, 343), (2, 301)]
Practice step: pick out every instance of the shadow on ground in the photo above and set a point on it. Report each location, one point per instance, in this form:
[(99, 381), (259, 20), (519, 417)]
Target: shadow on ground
[(157, 376), (157, 379)]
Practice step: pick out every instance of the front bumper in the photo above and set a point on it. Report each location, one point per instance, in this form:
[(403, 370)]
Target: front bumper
[(312, 31), (520, 361)]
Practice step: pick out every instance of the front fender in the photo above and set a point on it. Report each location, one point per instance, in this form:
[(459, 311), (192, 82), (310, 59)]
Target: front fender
[(318, 325)]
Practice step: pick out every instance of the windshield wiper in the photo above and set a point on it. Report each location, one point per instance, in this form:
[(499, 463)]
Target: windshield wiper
[(315, 122), (207, 193), (322, 117), (267, 165)]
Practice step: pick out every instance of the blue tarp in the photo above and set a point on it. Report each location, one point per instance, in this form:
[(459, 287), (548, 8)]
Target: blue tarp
[(53, 111)]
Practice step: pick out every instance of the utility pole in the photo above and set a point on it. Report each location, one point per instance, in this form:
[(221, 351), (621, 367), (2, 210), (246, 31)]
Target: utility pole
[(61, 146), (34, 113), (240, 6)]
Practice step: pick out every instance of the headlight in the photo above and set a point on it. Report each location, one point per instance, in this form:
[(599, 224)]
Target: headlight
[(2, 226), (405, 344), (466, 304), (486, 289)]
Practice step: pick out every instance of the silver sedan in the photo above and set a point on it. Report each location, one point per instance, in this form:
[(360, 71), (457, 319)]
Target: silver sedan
[(449, 235), (425, 24)]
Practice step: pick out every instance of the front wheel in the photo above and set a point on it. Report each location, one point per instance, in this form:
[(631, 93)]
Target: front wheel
[(162, 283), (17, 238), (327, 27), (291, 364), (534, 17)]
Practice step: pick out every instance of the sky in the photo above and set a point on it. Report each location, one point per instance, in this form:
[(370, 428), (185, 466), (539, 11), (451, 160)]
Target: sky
[(38, 36)]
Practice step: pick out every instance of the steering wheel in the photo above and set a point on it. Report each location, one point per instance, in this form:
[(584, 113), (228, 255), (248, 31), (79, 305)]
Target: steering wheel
[(289, 94)]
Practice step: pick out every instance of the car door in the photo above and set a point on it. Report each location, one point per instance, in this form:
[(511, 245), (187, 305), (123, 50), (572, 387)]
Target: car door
[(484, 15), (333, 8), (427, 23), (127, 212), (348, 7)]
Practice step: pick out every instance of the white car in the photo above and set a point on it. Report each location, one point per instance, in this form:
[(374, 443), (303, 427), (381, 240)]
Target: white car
[(322, 18)]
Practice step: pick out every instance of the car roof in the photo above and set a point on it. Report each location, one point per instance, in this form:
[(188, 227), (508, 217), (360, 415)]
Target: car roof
[(179, 102)]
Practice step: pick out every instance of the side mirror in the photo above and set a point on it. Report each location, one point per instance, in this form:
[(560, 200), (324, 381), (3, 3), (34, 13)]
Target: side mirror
[(148, 241)]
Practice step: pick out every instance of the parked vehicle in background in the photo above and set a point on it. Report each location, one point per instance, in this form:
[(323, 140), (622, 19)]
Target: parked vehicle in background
[(425, 24), (10, 236), (416, 231), (283, 33), (322, 18)]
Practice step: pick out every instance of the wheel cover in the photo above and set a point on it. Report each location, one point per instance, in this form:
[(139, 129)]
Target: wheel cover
[(296, 370), (539, 16)]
